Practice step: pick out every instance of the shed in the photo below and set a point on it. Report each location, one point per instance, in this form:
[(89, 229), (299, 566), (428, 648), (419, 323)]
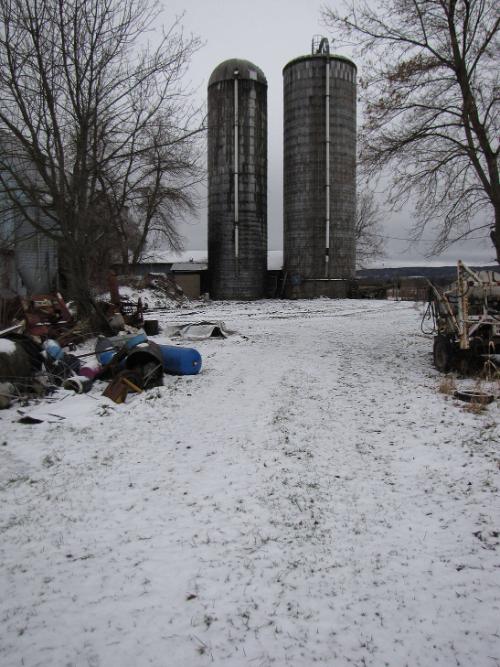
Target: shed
[(191, 277)]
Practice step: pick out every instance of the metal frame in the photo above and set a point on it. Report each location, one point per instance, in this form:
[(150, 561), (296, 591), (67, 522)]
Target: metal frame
[(460, 320)]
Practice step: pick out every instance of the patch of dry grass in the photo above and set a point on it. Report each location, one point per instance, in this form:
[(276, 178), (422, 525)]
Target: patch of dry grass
[(476, 406), (447, 385)]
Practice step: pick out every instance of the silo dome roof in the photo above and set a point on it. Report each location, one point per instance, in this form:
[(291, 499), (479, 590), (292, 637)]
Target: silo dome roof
[(246, 70)]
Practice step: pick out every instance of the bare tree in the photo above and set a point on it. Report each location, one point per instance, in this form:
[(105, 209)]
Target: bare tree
[(151, 188), (431, 93), (370, 243), (81, 93)]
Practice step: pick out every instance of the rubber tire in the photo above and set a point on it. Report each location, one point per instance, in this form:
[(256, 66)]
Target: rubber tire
[(474, 397), (442, 354)]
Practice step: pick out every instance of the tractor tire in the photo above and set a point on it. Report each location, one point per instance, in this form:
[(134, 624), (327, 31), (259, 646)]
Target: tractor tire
[(442, 353)]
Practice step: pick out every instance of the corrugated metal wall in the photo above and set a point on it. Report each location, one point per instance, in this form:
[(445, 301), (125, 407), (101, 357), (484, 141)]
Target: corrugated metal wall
[(33, 266), (36, 260)]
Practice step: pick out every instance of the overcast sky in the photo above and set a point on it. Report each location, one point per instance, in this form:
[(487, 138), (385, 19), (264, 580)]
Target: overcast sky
[(270, 33)]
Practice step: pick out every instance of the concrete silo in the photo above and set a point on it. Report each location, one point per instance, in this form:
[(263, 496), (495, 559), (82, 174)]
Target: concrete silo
[(319, 173), (237, 180)]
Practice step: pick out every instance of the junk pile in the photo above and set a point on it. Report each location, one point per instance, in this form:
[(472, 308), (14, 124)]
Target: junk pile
[(38, 335), (48, 316), (165, 285), (32, 367), (135, 363), (160, 291), (40, 315)]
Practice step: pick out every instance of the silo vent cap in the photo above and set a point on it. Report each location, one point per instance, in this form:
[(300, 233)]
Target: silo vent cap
[(320, 44)]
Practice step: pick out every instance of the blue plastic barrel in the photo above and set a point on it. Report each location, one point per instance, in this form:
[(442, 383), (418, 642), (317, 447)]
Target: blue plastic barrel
[(106, 348), (180, 360), (53, 349)]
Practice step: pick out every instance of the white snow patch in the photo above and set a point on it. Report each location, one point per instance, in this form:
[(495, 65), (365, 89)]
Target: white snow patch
[(308, 498), (7, 346)]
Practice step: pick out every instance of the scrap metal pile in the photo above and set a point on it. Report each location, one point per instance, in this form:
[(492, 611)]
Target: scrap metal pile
[(40, 315), (37, 357), (466, 322)]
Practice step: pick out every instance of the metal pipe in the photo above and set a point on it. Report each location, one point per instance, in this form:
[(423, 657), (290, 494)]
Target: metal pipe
[(327, 170), (236, 166), (462, 307)]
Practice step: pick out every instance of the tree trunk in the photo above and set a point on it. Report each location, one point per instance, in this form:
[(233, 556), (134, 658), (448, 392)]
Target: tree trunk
[(125, 259), (495, 232), (75, 267)]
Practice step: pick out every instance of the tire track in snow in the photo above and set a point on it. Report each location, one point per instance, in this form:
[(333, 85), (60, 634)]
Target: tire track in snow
[(308, 506), (330, 486)]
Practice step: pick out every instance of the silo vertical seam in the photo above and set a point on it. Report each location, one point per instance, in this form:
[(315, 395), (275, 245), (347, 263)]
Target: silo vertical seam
[(327, 170), (236, 167)]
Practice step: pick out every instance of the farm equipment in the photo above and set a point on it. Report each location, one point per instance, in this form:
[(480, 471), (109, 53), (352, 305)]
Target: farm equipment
[(466, 322)]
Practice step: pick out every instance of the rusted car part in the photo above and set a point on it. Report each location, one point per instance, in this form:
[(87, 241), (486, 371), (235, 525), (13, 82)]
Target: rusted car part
[(114, 289), (42, 316), (46, 315), (466, 322)]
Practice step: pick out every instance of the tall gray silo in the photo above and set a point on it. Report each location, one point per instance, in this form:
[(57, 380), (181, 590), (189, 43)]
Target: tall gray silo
[(237, 180), (319, 172)]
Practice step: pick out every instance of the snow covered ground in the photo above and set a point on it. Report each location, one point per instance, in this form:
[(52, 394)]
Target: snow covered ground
[(309, 498)]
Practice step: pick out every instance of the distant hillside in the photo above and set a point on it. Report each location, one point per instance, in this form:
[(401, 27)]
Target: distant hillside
[(433, 273)]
